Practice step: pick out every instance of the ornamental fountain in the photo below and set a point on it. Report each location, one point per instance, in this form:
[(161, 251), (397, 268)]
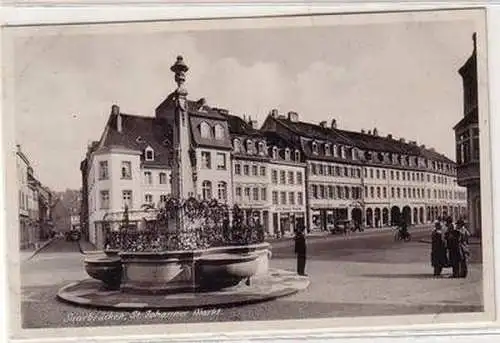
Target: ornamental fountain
[(197, 253)]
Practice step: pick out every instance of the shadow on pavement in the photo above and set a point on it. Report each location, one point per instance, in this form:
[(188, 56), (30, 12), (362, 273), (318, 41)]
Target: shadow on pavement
[(405, 276)]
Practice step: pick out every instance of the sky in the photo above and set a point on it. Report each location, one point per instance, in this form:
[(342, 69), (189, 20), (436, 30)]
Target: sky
[(401, 78)]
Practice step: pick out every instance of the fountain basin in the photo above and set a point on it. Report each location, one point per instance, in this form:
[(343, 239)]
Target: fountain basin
[(180, 271), (219, 271), (107, 269)]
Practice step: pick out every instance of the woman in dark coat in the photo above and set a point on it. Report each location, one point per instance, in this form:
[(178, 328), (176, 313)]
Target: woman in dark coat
[(439, 259)]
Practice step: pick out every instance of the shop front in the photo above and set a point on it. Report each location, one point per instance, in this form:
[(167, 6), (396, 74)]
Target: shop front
[(323, 219), (286, 220)]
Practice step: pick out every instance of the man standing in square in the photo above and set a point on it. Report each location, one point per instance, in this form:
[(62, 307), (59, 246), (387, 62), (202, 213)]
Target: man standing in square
[(300, 250)]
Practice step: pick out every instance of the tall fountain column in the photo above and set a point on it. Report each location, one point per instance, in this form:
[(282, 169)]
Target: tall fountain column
[(182, 181)]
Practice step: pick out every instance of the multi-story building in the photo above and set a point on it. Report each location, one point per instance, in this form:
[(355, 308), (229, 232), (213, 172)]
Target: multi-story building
[(285, 174), (129, 167), (34, 212), (370, 179), (250, 170), (287, 185), (23, 164), (467, 143)]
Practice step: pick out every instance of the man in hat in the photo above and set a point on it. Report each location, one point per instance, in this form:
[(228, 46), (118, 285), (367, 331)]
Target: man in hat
[(300, 250), (439, 259)]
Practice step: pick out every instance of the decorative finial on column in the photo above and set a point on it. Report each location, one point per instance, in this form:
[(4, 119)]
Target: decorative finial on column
[(180, 69)]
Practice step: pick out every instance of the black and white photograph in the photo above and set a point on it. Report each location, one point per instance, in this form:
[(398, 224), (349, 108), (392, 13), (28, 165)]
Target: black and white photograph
[(319, 171)]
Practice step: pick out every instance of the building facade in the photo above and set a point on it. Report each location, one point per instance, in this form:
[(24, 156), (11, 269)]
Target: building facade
[(467, 143), (368, 179), (285, 174), (35, 222)]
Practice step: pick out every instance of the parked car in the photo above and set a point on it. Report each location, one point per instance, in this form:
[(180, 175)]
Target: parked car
[(73, 235)]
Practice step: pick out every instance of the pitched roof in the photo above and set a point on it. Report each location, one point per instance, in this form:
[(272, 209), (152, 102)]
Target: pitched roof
[(139, 132), (239, 127), (359, 140)]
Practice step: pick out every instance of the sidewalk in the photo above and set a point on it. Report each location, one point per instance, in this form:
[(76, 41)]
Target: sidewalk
[(27, 254)]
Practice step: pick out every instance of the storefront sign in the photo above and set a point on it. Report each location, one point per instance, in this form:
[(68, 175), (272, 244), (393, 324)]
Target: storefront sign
[(289, 209)]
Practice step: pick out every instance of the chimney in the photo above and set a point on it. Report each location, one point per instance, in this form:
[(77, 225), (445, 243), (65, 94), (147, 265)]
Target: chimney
[(252, 123), (375, 132), (389, 136), (293, 116), (370, 132), (363, 131), (274, 113), (402, 140), (201, 103), (413, 142), (323, 124), (422, 146), (115, 110), (334, 124)]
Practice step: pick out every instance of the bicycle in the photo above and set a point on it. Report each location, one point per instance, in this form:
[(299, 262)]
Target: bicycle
[(398, 236)]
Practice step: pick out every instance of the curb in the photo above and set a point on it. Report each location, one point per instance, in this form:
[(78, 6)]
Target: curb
[(40, 248), (87, 252), (429, 242)]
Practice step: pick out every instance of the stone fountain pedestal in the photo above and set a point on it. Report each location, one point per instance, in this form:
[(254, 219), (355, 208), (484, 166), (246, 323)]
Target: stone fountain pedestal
[(182, 279)]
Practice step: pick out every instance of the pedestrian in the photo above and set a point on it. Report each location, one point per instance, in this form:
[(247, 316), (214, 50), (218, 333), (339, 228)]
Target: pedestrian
[(453, 239), (300, 250), (464, 249), (439, 259)]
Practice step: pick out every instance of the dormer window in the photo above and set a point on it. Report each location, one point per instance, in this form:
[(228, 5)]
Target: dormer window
[(250, 147), (327, 150), (342, 151), (275, 153), (219, 132), (334, 151), (237, 146), (149, 154), (261, 148), (297, 156), (315, 148), (139, 139), (287, 154), (205, 130)]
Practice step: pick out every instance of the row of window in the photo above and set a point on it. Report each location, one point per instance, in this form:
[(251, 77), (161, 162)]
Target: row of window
[(261, 149), (127, 199), (206, 190), (468, 146), (287, 198), (208, 132), (162, 178), (332, 170), (355, 154), (206, 160), (290, 177), (415, 193), (335, 192), (248, 170), (251, 193), (126, 170)]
